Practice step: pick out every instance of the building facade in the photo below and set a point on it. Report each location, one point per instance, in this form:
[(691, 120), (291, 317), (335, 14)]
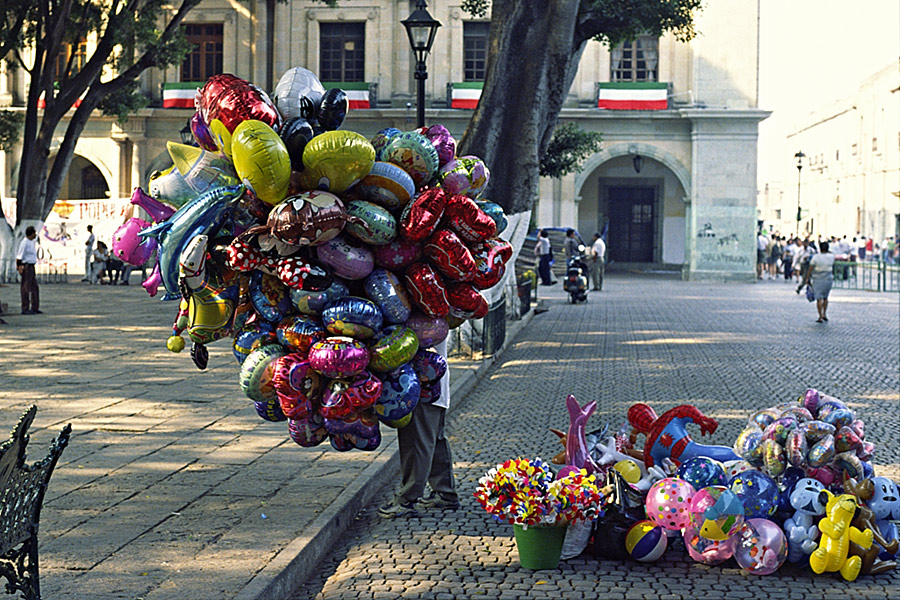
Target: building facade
[(673, 186), (849, 157)]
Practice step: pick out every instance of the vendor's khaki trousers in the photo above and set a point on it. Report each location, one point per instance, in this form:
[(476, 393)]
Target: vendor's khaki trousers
[(425, 456)]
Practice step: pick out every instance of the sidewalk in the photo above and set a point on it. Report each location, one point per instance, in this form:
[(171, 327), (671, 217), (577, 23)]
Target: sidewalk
[(171, 486)]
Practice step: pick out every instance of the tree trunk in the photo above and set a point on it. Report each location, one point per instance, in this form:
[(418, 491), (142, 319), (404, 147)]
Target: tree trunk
[(532, 59)]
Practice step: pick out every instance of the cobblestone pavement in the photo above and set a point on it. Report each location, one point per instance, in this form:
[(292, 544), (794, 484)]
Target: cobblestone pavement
[(728, 349)]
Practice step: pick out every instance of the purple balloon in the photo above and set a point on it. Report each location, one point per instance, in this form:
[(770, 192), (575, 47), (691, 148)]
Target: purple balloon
[(157, 210), (443, 142), (429, 330), (429, 366), (400, 391)]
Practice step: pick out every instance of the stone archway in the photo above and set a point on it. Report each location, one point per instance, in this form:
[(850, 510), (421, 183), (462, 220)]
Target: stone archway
[(624, 149), (82, 167)]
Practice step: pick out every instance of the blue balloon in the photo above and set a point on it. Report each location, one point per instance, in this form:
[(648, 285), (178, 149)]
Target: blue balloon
[(269, 296), (387, 292), (353, 317), (400, 390), (702, 472), (495, 212), (202, 215), (247, 336), (311, 302), (429, 366), (758, 493)]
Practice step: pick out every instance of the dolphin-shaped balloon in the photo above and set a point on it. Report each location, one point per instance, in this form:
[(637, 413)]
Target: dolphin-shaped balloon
[(577, 453), (202, 215), (157, 210)]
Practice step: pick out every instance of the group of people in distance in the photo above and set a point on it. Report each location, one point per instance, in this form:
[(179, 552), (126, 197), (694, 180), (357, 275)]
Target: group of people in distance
[(596, 256), (101, 266)]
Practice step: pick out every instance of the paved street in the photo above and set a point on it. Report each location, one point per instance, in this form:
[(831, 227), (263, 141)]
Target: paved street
[(728, 349)]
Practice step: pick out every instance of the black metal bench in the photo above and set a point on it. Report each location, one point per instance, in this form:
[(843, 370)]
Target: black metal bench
[(22, 489)]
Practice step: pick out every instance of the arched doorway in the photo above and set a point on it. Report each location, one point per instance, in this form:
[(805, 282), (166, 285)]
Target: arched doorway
[(84, 181)]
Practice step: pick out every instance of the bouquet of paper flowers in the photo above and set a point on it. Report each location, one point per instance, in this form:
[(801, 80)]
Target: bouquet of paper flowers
[(526, 492)]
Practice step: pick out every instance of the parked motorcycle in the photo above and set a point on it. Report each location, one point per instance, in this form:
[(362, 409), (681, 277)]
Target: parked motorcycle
[(576, 278)]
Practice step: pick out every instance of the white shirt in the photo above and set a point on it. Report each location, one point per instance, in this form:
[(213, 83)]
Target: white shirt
[(543, 245), (761, 242), (444, 400), (27, 252), (822, 262), (598, 248), (89, 244)]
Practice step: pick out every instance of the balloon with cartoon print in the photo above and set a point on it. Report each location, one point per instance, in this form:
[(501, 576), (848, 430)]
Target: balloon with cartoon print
[(347, 259), (399, 394), (387, 185), (415, 154), (761, 547), (313, 302), (338, 357), (394, 346), (308, 218), (352, 316), (297, 386)]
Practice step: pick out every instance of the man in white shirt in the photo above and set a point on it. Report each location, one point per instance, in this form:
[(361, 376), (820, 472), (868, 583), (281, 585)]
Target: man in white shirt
[(598, 262), (26, 258), (762, 242), (88, 248)]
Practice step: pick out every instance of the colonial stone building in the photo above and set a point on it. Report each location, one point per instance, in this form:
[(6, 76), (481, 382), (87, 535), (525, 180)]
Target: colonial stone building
[(674, 185)]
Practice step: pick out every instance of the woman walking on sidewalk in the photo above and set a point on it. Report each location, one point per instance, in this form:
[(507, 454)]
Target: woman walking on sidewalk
[(544, 253), (820, 272)]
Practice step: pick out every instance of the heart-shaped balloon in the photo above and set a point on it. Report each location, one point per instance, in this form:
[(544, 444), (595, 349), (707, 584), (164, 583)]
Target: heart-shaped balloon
[(471, 223), (426, 290), (490, 257), (465, 301), (421, 216), (450, 256)]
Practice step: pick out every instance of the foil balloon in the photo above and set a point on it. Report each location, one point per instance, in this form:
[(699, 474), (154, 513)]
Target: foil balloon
[(129, 247), (467, 176), (170, 187), (332, 109), (372, 224), (225, 101), (298, 94), (296, 134), (429, 330), (349, 441), (336, 160), (202, 170), (387, 185), (157, 210), (707, 551), (202, 135), (269, 297), (463, 216), (420, 218), (380, 140), (308, 432), (297, 386), (249, 337), (308, 218), (348, 261), (702, 472), (261, 160), (757, 492), (344, 397), (362, 425), (465, 301), (313, 302), (395, 346), (269, 410), (397, 255), (387, 292), (760, 547), (298, 333), (415, 154), (430, 393), (668, 503), (429, 366), (495, 212), (427, 290), (202, 215), (490, 262), (716, 512), (257, 372), (211, 297), (338, 357), (399, 394), (353, 317), (443, 142), (450, 256)]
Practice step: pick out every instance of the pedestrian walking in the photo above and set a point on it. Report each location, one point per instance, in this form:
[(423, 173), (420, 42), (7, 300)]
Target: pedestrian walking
[(571, 245), (26, 259), (598, 262), (762, 242), (425, 457), (544, 253), (88, 250), (820, 274)]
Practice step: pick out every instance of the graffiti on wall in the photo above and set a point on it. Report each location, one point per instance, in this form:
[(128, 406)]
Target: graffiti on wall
[(725, 239)]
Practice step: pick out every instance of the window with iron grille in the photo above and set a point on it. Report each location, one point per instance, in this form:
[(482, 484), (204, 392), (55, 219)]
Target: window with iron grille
[(636, 60), (342, 54), (77, 53), (475, 41), (205, 59)]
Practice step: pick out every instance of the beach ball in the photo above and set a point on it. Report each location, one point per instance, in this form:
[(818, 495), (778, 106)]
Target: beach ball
[(761, 547), (736, 467), (646, 541), (702, 472), (707, 551), (668, 503), (716, 512), (757, 492)]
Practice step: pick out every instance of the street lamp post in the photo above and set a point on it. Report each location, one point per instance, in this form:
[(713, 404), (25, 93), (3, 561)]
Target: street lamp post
[(421, 28), (799, 156)]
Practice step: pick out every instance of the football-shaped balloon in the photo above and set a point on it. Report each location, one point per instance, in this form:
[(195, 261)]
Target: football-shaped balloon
[(337, 357), (352, 316), (387, 292), (421, 216), (298, 94), (450, 256), (400, 390), (467, 175), (397, 345), (397, 255), (335, 160), (426, 290), (429, 366), (373, 225), (348, 260), (308, 218), (297, 333), (387, 185), (313, 302), (465, 301), (333, 109), (464, 217), (429, 330), (226, 101), (296, 134), (443, 142), (261, 160), (415, 154)]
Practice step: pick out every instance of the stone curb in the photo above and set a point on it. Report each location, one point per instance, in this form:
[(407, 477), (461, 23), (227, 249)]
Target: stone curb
[(294, 564)]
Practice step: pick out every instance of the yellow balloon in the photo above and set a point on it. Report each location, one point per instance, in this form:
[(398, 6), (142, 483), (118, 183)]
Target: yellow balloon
[(335, 160), (221, 135), (629, 470), (261, 160)]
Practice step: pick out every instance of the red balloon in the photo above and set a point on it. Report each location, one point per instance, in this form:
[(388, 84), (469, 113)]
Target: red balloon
[(296, 385), (471, 223), (426, 290), (232, 100), (450, 256), (465, 301), (421, 216), (342, 398), (490, 258)]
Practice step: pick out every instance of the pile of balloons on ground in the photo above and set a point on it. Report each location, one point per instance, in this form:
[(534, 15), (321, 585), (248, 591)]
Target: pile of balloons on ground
[(797, 486), (333, 261)]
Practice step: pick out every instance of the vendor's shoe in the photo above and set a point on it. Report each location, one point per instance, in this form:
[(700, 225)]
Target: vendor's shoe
[(436, 501), (394, 509)]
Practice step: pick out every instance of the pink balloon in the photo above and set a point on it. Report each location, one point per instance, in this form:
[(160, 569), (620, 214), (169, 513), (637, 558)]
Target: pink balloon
[(158, 211), (761, 547), (706, 551), (668, 503), (128, 245), (152, 283)]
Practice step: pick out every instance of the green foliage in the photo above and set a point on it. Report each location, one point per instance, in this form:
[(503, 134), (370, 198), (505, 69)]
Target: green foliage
[(616, 21), (10, 128), (124, 102), (476, 8), (568, 148)]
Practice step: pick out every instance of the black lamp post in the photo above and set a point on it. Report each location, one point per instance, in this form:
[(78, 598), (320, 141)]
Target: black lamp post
[(799, 156), (421, 29), (187, 137)]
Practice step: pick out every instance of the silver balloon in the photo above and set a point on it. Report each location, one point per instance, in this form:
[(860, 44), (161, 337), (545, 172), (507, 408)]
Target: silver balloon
[(298, 94)]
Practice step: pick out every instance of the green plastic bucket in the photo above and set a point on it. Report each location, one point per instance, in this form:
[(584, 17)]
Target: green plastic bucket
[(540, 546)]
